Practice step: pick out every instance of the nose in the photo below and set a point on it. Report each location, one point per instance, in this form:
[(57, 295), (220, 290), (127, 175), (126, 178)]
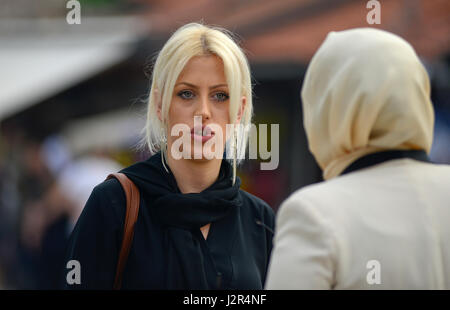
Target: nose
[(203, 108)]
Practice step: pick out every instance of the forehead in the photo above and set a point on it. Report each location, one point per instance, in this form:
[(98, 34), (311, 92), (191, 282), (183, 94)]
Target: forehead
[(202, 69)]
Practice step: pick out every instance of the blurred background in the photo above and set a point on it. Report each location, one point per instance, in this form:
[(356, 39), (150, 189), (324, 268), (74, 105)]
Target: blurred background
[(72, 100)]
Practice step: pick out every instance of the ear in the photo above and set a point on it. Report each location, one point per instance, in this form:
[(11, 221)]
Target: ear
[(241, 109), (157, 98)]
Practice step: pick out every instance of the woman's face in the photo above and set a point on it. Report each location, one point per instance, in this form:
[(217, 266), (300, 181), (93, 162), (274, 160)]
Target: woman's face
[(200, 100)]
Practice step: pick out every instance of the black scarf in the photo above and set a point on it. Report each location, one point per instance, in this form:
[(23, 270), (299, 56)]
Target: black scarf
[(380, 157), (183, 215)]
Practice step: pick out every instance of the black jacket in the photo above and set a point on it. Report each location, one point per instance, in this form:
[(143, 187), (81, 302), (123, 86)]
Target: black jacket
[(168, 249)]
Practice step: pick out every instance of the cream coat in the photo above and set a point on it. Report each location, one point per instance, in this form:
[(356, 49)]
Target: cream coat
[(397, 213)]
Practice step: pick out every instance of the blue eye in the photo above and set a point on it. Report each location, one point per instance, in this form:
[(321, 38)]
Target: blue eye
[(221, 96), (186, 94)]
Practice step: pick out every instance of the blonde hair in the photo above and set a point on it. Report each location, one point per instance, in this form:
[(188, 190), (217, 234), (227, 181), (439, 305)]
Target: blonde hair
[(191, 40)]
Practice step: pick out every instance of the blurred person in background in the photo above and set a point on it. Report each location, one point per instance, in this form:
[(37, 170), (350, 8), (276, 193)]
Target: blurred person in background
[(33, 180), (64, 201), (53, 188), (196, 228), (380, 220)]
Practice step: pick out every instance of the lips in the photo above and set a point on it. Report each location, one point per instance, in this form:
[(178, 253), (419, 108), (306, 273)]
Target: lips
[(202, 133)]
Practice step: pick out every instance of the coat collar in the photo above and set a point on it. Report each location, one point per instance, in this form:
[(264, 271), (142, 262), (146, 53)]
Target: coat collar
[(380, 157)]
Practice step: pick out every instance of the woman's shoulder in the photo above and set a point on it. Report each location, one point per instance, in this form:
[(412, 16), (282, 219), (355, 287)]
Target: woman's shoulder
[(107, 198), (110, 190), (256, 204)]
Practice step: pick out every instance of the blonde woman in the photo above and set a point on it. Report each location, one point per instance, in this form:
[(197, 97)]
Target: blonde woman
[(196, 228)]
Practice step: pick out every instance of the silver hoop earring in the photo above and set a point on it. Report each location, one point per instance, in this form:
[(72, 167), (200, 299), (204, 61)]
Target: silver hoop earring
[(163, 149), (163, 138), (235, 153)]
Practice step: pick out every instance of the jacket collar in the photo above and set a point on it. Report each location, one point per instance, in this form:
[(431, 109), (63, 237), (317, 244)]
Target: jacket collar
[(380, 157)]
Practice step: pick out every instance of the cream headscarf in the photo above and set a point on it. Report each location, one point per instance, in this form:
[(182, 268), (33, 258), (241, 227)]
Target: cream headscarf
[(365, 91)]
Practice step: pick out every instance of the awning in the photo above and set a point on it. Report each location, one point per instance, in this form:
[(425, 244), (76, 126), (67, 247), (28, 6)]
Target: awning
[(39, 59), (115, 129)]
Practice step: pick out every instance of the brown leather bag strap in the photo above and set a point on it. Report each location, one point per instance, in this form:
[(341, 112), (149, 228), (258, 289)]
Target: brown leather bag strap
[(133, 199)]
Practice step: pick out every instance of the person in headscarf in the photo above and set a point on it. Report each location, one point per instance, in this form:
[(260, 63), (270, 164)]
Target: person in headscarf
[(380, 218), (196, 229)]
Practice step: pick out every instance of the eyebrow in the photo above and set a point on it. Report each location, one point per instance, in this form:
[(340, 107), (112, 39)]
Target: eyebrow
[(194, 86)]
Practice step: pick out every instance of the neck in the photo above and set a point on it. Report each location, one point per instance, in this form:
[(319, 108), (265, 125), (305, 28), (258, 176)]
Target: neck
[(194, 176)]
